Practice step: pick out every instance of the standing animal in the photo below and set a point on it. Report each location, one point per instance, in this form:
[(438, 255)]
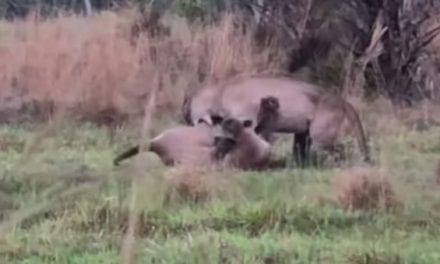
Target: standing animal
[(312, 114), (200, 110)]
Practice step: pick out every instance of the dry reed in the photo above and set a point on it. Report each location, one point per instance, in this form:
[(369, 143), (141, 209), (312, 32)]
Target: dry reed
[(93, 65)]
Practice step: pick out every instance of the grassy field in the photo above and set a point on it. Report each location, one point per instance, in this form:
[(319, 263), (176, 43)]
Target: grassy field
[(62, 201)]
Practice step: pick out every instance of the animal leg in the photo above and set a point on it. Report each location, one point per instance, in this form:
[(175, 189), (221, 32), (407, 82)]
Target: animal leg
[(301, 148)]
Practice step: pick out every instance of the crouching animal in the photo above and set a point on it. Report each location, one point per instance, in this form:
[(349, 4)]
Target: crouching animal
[(182, 145), (240, 146)]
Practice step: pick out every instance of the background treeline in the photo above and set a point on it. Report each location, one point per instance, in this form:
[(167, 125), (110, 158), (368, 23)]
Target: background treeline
[(19, 8), (380, 47)]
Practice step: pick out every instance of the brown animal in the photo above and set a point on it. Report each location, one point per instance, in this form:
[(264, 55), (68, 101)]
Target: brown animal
[(199, 146), (242, 147), (182, 145), (200, 110), (312, 114), (267, 117)]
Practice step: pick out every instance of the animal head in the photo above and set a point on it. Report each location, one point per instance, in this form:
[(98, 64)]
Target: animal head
[(223, 145), (267, 114), (232, 128), (269, 104), (212, 118), (216, 119), (226, 139), (225, 121)]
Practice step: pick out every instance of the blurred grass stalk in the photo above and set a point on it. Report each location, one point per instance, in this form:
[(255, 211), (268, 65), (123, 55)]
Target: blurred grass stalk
[(138, 182)]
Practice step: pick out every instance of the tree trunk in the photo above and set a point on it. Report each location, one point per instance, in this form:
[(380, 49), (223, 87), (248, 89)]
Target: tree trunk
[(88, 7)]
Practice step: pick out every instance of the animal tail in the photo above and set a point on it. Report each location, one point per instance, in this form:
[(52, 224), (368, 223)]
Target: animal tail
[(360, 134), (125, 155)]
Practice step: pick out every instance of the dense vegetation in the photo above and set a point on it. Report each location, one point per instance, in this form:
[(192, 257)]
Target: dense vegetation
[(74, 80), (399, 67)]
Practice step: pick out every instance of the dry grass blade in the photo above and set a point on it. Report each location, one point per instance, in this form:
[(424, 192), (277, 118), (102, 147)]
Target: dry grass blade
[(19, 216), (437, 173), (375, 48), (128, 248), (428, 37), (355, 69), (93, 68), (38, 138)]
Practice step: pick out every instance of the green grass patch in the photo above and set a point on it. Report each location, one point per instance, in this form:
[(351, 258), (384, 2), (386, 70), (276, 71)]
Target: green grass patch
[(65, 203)]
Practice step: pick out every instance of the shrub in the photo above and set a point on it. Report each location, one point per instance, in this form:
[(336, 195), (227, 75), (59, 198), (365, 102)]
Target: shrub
[(364, 189)]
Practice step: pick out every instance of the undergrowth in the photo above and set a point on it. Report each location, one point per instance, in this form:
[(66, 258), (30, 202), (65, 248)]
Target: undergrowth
[(62, 201), (69, 205)]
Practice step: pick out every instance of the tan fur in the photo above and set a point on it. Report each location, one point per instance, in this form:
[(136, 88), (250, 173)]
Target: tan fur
[(334, 119), (194, 146), (267, 117), (181, 145), (185, 145), (199, 110), (303, 108), (250, 150), (297, 100)]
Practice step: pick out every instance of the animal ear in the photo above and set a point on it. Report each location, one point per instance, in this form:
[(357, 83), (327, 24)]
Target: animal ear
[(201, 120), (216, 119), (247, 123)]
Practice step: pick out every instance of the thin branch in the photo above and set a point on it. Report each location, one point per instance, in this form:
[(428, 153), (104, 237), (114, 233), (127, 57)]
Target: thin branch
[(306, 18), (292, 32)]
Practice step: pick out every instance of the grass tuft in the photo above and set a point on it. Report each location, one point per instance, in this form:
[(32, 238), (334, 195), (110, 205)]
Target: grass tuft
[(364, 189)]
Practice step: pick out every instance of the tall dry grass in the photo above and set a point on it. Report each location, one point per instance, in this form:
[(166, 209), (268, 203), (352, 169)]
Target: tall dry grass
[(92, 65)]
